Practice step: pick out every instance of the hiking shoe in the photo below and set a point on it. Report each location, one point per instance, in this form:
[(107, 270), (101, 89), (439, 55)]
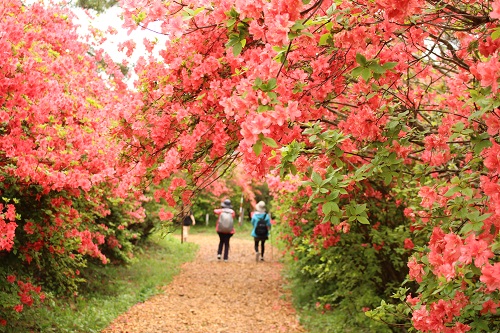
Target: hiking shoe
[(225, 260), (261, 258), (218, 257), (256, 256)]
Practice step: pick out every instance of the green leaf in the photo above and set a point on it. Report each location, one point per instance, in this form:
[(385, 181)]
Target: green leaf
[(330, 207), (326, 208), (323, 40), (376, 68), (270, 142), (281, 58), (387, 178), (297, 26), (257, 84), (237, 48), (272, 83), (467, 192), (366, 74), (257, 148), (188, 12), (458, 127), (139, 17), (233, 13), (233, 40), (335, 207), (273, 96), (334, 219), (331, 10), (359, 209), (495, 34), (263, 108), (389, 65), (299, 87), (316, 178), (198, 10), (481, 145), (361, 59), (293, 35), (357, 71), (308, 34), (362, 220), (452, 191)]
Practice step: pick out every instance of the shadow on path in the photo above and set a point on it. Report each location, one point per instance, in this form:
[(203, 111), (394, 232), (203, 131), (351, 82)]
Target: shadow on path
[(209, 296)]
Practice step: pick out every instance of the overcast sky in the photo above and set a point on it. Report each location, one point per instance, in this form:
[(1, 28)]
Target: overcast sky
[(111, 18)]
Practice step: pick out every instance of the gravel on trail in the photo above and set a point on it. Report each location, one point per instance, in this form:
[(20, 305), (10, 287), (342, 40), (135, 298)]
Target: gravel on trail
[(211, 296)]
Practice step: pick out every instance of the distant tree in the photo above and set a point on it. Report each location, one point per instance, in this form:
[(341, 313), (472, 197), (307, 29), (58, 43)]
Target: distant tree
[(97, 5)]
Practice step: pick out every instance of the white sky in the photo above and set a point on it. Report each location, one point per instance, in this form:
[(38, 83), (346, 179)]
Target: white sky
[(111, 18)]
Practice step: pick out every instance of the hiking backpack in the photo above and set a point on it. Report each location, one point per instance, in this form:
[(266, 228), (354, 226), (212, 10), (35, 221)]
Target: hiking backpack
[(226, 222), (261, 227)]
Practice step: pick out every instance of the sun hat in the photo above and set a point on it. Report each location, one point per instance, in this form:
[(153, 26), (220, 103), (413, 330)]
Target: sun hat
[(226, 204), (261, 206)]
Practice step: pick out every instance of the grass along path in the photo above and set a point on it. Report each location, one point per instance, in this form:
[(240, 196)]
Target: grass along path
[(209, 296), (109, 291)]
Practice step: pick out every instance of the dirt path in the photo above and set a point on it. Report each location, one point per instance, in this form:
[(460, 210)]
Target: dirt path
[(208, 296)]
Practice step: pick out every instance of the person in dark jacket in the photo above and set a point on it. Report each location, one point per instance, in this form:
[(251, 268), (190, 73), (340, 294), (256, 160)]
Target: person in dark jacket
[(260, 237), (187, 221)]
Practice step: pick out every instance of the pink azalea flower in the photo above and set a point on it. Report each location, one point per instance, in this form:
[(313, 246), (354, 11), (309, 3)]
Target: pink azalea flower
[(495, 13), (490, 275)]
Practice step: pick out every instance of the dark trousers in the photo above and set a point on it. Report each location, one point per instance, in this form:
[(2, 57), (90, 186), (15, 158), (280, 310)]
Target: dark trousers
[(224, 244), (262, 240)]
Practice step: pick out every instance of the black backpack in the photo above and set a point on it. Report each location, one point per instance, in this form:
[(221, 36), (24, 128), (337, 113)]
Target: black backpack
[(261, 227)]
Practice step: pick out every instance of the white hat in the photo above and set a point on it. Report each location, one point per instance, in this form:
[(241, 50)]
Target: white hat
[(261, 206)]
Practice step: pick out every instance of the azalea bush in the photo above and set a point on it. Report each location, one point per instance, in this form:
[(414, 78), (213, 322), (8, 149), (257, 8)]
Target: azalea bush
[(61, 168), (341, 271), (348, 268), (384, 112)]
